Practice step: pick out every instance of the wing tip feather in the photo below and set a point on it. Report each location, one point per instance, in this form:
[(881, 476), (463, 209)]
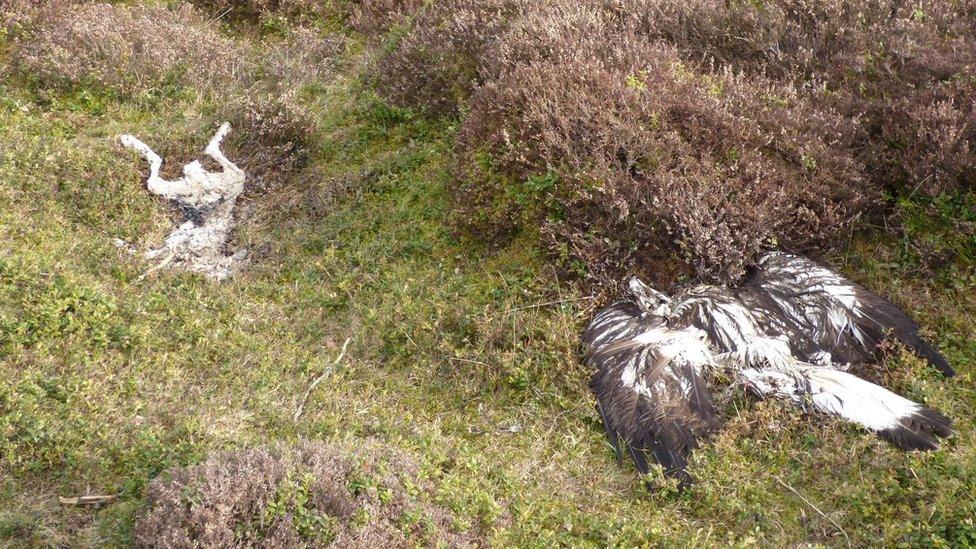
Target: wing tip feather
[(936, 359), (919, 431)]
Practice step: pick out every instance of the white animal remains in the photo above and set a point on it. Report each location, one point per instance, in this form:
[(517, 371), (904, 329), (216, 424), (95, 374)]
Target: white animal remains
[(207, 200)]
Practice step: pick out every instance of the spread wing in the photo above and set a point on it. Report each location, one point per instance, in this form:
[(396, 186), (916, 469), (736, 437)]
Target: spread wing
[(907, 424), (618, 321), (650, 387), (840, 316)]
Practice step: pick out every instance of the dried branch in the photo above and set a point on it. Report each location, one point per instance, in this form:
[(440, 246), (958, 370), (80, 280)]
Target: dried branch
[(86, 500), (315, 383), (814, 507)]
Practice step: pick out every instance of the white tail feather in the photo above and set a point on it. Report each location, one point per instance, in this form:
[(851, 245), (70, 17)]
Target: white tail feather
[(857, 400), (835, 392)]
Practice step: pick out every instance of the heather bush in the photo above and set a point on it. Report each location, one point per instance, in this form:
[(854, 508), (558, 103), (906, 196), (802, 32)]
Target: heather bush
[(928, 139), (305, 56), (16, 13), (702, 131), (123, 48), (273, 135), (373, 17), (891, 67), (436, 65), (309, 495), (257, 10), (276, 128), (643, 155), (133, 49)]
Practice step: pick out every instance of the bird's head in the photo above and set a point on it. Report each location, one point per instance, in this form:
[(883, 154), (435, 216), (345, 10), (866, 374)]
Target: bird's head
[(647, 298)]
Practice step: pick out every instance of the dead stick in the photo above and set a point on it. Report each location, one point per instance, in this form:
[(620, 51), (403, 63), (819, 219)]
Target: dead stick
[(548, 303), (315, 383), (814, 507), (86, 500)]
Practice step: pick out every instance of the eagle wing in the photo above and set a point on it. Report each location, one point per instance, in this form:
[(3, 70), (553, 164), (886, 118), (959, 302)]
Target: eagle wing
[(619, 321), (650, 387), (838, 315)]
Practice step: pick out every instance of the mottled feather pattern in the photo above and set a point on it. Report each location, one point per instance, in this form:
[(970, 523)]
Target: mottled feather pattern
[(844, 318), (651, 393), (621, 320), (789, 331)]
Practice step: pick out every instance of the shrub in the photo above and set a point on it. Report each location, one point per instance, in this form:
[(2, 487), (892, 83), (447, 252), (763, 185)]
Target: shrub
[(305, 56), (375, 17), (273, 135), (128, 49), (928, 139), (436, 65), (16, 13), (646, 156), (133, 49), (312, 494), (703, 131), (276, 129), (891, 67), (256, 10)]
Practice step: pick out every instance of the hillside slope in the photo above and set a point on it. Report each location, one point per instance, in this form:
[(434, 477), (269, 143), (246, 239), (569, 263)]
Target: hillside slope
[(463, 354)]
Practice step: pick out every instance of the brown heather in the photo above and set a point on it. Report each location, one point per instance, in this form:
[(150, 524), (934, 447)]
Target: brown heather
[(275, 130), (304, 56), (273, 136), (373, 17), (254, 10), (646, 154), (133, 49), (904, 73), (704, 131), (439, 61), (314, 494), (127, 49)]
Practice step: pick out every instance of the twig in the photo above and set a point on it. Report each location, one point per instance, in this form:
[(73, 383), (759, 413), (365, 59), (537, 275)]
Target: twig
[(86, 500), (323, 375), (548, 303), (162, 264), (471, 361), (814, 507)]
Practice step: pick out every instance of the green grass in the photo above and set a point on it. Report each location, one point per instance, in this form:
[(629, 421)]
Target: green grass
[(107, 379)]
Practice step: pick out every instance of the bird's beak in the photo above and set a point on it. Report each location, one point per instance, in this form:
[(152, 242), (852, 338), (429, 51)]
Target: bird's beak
[(650, 297), (663, 298)]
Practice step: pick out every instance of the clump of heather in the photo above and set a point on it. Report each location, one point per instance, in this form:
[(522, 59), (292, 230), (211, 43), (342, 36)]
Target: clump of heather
[(273, 138), (257, 10), (124, 48), (373, 17), (313, 494), (685, 137)]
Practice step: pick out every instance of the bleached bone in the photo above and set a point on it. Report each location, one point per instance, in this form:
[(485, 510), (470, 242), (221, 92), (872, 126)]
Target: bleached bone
[(207, 199)]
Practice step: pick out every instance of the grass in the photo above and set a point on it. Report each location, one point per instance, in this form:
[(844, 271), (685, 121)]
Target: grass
[(463, 354)]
